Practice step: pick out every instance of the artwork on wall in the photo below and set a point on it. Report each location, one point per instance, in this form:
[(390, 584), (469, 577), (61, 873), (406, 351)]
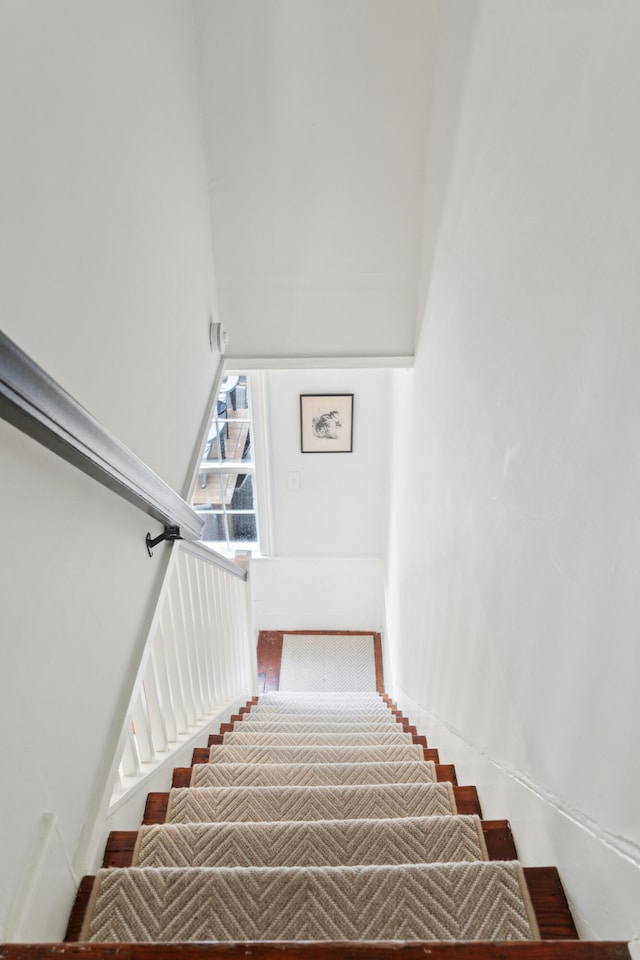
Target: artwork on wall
[(326, 422)]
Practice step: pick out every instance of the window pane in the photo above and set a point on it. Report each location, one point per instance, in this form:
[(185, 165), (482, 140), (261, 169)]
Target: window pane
[(242, 527), (215, 528), (224, 493)]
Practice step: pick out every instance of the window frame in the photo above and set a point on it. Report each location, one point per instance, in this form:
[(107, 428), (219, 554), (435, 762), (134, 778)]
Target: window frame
[(257, 467)]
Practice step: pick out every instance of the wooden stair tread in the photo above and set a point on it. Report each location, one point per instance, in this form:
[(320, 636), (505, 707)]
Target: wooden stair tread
[(550, 903), (416, 950)]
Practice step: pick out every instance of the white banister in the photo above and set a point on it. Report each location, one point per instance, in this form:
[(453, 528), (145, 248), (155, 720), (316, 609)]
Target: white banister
[(199, 660)]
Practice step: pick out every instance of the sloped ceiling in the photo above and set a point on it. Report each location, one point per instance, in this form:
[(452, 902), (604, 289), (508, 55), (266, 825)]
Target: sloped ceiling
[(315, 118)]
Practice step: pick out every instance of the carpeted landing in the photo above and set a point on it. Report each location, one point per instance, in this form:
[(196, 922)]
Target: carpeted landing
[(328, 662), (316, 819)]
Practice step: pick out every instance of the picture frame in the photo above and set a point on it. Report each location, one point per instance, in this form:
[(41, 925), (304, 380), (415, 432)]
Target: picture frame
[(326, 422)]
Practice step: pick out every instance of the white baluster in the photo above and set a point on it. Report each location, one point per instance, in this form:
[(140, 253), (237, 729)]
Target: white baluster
[(182, 646), (130, 759), (174, 667), (155, 704), (161, 667), (142, 730), (200, 658)]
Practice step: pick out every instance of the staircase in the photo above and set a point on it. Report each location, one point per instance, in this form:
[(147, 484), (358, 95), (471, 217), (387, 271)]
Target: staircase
[(324, 819)]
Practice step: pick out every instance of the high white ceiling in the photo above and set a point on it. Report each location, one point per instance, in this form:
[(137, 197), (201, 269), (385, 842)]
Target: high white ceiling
[(316, 115)]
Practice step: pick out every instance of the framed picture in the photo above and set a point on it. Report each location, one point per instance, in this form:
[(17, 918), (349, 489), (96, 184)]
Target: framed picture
[(326, 422)]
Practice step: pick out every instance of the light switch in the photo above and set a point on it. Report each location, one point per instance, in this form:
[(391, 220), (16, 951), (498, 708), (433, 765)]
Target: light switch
[(293, 481)]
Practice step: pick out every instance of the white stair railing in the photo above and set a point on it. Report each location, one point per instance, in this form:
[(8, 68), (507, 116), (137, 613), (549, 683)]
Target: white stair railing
[(199, 660)]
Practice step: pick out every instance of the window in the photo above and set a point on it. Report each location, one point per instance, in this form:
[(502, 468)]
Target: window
[(224, 492)]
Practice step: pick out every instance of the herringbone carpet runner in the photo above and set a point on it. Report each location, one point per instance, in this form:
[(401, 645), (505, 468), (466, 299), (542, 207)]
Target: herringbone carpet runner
[(305, 754), (316, 819), (330, 662), (320, 843), (362, 801), (310, 774)]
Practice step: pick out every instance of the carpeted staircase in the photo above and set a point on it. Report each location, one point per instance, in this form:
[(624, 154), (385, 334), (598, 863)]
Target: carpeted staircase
[(336, 835), (316, 819)]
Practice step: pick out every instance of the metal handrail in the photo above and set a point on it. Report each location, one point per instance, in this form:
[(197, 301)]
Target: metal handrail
[(38, 406)]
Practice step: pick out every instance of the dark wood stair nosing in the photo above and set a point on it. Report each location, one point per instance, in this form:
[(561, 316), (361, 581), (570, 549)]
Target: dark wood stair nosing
[(119, 848), (550, 903), (79, 909), (446, 773), (182, 776), (325, 950)]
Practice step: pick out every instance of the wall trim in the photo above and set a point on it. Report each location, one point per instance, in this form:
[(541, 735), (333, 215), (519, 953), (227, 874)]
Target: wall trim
[(319, 363)]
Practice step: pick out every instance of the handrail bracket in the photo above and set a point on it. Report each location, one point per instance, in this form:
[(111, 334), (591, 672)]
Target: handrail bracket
[(170, 533)]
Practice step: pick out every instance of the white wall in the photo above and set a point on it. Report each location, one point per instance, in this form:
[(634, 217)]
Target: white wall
[(512, 580), (326, 571), (315, 118), (318, 593), (106, 278)]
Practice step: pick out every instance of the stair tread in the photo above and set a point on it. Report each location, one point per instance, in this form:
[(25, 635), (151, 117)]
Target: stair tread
[(121, 844), (304, 843), (338, 716), (311, 705), (300, 774), (313, 726), (304, 698), (360, 801), (268, 753), (392, 736), (476, 900)]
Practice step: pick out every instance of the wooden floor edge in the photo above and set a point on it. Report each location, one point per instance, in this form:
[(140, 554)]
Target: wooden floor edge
[(316, 950)]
